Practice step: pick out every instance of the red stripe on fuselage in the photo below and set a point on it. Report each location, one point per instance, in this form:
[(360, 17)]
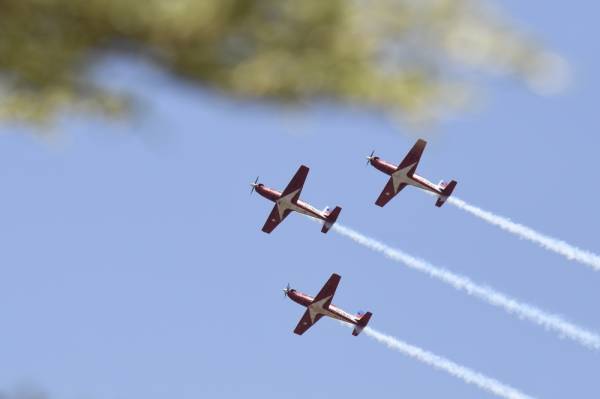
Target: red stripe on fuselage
[(268, 193), (383, 166)]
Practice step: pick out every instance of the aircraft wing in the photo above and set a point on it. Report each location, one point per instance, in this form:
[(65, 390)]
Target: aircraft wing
[(328, 291), (295, 185), (324, 296), (413, 157), (388, 192), (305, 323), (274, 219)]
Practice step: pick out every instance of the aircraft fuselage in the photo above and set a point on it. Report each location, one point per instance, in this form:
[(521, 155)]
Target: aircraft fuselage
[(284, 203), (402, 176), (316, 308)]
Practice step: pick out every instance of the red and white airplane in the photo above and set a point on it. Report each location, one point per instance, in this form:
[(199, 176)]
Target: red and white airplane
[(320, 306), (404, 174), (288, 201)]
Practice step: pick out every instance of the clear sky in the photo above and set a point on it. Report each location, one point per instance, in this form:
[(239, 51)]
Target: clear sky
[(133, 265)]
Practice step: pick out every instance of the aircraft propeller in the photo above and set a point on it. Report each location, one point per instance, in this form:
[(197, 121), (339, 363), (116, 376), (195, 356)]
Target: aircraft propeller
[(286, 290), (370, 157), (253, 185)]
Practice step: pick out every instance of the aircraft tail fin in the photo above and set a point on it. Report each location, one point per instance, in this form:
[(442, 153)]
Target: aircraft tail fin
[(331, 218), (446, 193), (362, 323)]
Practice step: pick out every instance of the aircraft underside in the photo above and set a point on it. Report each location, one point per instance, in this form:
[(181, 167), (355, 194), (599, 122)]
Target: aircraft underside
[(300, 208), (415, 181)]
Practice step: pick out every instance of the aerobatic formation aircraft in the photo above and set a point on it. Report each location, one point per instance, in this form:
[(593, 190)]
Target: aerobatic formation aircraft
[(288, 201), (404, 174), (320, 306)]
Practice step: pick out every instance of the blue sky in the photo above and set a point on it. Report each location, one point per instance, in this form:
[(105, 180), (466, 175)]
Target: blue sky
[(133, 264)]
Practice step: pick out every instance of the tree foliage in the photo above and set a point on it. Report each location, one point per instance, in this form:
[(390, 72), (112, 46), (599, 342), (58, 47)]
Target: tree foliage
[(408, 56)]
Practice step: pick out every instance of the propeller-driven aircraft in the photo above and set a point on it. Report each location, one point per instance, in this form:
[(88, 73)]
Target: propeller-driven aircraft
[(320, 306), (404, 174), (288, 201)]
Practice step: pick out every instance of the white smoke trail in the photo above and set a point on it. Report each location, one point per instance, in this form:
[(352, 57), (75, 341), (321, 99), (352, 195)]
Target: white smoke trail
[(555, 245), (489, 295), (467, 375)]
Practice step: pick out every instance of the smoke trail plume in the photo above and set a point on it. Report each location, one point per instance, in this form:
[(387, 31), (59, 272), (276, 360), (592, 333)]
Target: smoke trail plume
[(467, 375), (522, 310), (555, 245)]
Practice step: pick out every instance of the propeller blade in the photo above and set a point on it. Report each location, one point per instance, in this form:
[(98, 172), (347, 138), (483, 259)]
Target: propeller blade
[(253, 185), (370, 157)]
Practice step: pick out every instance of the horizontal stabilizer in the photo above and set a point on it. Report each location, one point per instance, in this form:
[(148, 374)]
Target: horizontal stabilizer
[(446, 193), (362, 323), (331, 219)]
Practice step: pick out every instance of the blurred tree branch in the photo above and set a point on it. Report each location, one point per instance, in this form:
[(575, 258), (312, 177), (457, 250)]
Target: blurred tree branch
[(408, 56)]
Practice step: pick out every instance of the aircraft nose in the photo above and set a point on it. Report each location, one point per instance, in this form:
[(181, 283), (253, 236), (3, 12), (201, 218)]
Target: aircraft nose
[(254, 184), (370, 157)]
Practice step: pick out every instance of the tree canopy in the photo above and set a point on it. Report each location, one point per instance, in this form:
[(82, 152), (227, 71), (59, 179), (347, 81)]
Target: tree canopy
[(415, 57)]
